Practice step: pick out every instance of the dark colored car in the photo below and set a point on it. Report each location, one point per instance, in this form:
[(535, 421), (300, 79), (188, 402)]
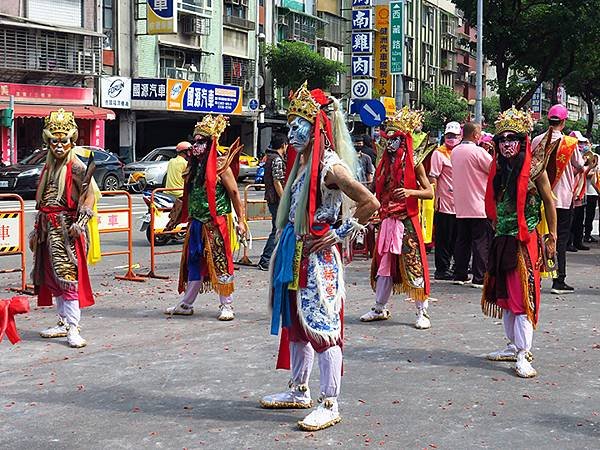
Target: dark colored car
[(22, 178)]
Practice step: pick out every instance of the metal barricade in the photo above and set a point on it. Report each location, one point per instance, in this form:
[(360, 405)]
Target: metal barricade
[(115, 224), (153, 253), (256, 210), (12, 237)]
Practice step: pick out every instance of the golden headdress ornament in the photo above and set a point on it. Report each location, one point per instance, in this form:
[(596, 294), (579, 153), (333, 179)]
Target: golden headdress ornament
[(211, 126), (405, 120), (304, 105), (516, 120), (60, 121)]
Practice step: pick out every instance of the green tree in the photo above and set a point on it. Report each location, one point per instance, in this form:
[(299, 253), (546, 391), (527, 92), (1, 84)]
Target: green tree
[(491, 109), (441, 106), (532, 41), (292, 63)]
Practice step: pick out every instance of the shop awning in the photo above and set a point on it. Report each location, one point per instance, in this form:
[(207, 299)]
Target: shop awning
[(81, 112)]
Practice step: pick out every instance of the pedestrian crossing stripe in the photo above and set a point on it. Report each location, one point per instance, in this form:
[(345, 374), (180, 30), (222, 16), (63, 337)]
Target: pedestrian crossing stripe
[(9, 215), (13, 249)]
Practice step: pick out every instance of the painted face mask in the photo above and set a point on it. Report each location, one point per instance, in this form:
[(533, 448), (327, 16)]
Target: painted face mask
[(393, 140), (583, 147), (509, 145), (60, 145), (299, 133), (200, 146)]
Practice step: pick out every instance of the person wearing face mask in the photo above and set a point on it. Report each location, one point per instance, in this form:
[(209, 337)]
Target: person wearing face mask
[(210, 189), (400, 261), (66, 197), (565, 163), (517, 186), (444, 219), (579, 196), (315, 215), (471, 165)]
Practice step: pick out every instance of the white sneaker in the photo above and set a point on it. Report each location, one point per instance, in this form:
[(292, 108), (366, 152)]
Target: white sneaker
[(523, 367), (296, 397), (226, 313), (74, 339), (324, 416), (377, 312), (423, 322), (181, 309), (507, 354), (59, 330)]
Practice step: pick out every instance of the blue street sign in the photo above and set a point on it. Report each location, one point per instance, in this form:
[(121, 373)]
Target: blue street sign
[(253, 104), (372, 112)]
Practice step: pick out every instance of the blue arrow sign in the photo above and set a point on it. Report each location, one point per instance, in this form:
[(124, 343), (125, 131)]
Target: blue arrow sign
[(372, 112)]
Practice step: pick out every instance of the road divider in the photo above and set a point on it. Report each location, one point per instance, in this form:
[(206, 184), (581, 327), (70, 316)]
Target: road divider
[(118, 219), (256, 210), (12, 237)]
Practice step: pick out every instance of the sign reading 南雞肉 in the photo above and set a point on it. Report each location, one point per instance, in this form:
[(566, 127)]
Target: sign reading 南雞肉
[(161, 16), (194, 96)]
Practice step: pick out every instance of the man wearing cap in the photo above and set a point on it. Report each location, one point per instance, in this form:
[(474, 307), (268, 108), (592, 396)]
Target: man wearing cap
[(175, 169), (471, 165), (444, 219), (564, 165)]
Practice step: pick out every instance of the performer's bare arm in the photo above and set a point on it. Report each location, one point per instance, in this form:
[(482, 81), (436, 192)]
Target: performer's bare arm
[(424, 192), (278, 188), (545, 190), (366, 205), (231, 187)]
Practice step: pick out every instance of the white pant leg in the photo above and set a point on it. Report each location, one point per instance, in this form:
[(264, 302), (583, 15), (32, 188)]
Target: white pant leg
[(422, 305), (60, 307), (508, 319), (226, 299), (302, 357), (190, 294), (330, 368), (72, 312), (523, 332), (383, 290)]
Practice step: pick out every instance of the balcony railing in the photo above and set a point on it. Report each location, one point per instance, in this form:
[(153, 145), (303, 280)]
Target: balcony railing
[(239, 22), (31, 50), (180, 73)]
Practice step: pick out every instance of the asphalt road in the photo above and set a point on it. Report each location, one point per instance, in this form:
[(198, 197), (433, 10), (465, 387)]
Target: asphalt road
[(149, 381)]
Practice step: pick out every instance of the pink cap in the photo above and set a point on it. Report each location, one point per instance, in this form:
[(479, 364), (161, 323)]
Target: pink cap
[(558, 112)]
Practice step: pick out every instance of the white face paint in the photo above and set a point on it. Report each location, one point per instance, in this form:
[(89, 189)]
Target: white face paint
[(60, 145), (299, 133), (509, 144)]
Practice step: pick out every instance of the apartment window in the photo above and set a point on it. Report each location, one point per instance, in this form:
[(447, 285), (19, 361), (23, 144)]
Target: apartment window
[(195, 6), (410, 10), (236, 8), (238, 71), (57, 12), (107, 20), (180, 64), (445, 23)]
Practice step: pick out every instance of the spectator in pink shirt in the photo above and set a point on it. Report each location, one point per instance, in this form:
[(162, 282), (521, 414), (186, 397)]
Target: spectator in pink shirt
[(471, 165), (563, 192), (444, 219)]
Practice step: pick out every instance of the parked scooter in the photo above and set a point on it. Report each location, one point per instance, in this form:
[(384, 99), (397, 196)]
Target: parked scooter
[(161, 218)]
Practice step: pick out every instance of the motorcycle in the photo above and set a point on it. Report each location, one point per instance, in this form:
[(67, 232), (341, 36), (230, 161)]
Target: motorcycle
[(161, 218), (260, 175)]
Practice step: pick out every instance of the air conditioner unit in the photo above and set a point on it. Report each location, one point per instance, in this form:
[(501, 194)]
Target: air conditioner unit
[(191, 25), (410, 85), (341, 56), (326, 52), (86, 62), (334, 54)]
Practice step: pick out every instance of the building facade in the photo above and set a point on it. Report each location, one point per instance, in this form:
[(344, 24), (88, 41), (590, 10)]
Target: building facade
[(51, 57)]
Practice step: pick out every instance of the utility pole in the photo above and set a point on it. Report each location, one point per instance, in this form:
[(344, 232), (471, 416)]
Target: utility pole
[(479, 84), (256, 81), (12, 156)]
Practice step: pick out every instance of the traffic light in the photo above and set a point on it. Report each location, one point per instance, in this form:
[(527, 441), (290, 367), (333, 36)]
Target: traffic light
[(6, 117)]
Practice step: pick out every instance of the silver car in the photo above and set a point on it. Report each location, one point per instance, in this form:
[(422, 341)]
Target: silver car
[(150, 171)]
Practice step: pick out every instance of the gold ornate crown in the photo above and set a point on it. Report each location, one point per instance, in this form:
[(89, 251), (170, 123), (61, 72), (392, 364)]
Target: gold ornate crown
[(515, 120), (60, 121), (405, 120), (211, 126), (304, 105)]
